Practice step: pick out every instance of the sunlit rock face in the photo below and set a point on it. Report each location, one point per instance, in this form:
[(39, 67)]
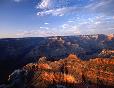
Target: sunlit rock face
[(106, 53), (110, 37), (69, 72)]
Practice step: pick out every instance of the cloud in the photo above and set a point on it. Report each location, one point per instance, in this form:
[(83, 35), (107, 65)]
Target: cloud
[(36, 33), (44, 4), (61, 7), (70, 21), (100, 23), (46, 23), (17, 0), (98, 4), (69, 29), (44, 28), (112, 17), (101, 6), (58, 12), (55, 7), (92, 25)]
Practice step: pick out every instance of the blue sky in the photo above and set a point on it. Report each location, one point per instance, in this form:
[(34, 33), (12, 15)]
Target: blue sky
[(34, 18)]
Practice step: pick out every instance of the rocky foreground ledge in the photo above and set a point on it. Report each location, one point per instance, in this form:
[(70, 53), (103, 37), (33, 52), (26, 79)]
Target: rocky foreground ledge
[(70, 72)]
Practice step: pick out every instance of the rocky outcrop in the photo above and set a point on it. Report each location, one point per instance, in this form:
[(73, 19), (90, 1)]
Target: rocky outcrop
[(105, 53), (110, 37), (69, 72)]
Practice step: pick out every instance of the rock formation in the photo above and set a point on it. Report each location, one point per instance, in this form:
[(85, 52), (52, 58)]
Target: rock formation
[(70, 72)]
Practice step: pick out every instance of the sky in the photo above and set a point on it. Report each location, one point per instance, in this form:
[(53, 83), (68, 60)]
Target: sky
[(41, 18)]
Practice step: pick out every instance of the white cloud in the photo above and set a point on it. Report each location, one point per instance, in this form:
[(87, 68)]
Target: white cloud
[(101, 6), (59, 8), (46, 23), (112, 17), (97, 22), (65, 26), (44, 28), (70, 29), (57, 12), (17, 0), (44, 4), (98, 4), (70, 21), (54, 12), (36, 33)]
